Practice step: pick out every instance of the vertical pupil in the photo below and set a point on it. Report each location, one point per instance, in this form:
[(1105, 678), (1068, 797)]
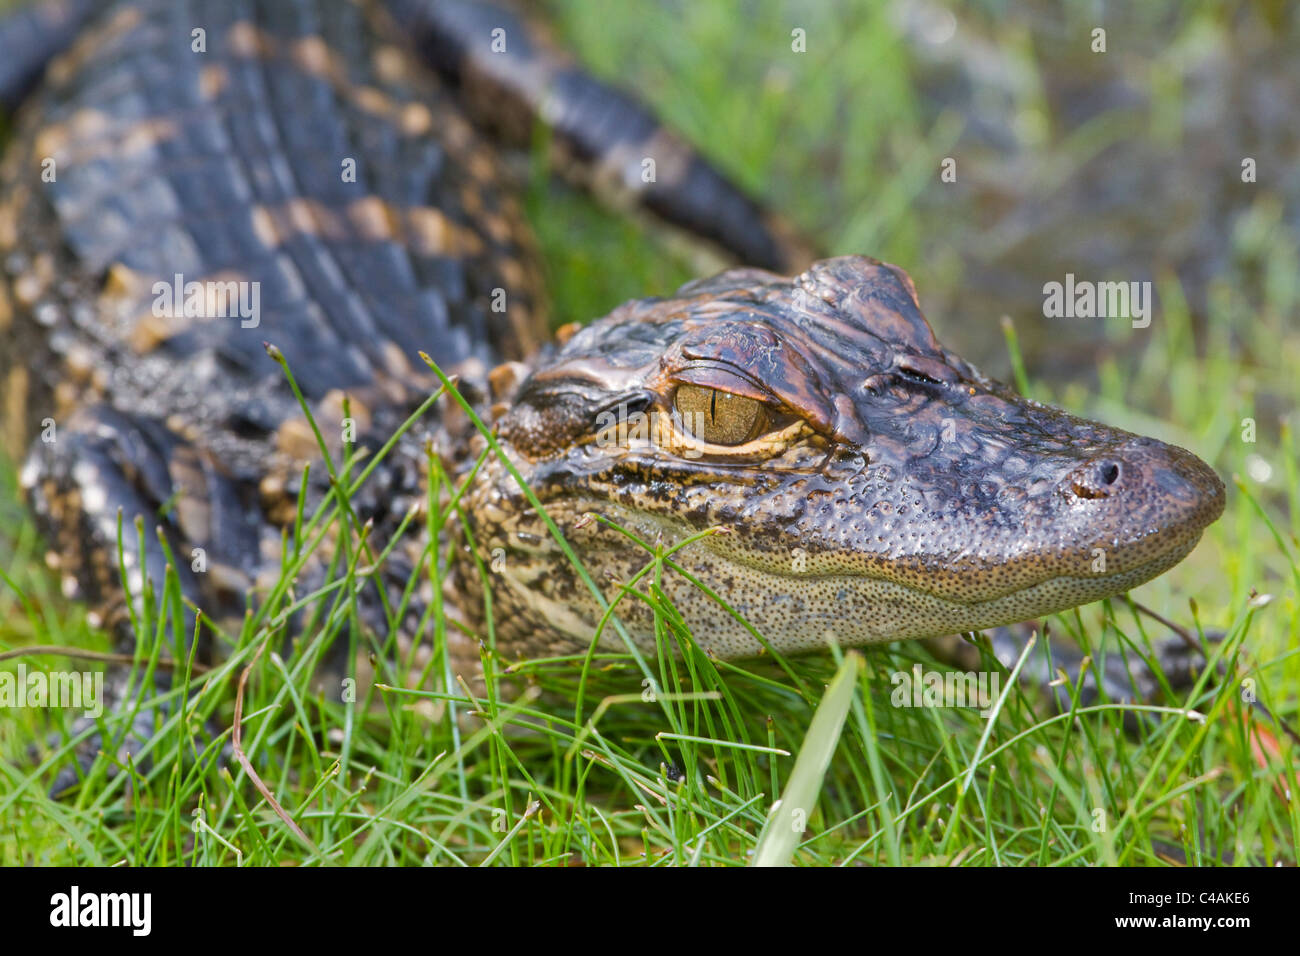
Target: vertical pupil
[(716, 416)]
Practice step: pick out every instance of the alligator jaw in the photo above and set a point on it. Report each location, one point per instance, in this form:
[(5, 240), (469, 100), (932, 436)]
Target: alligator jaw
[(794, 611)]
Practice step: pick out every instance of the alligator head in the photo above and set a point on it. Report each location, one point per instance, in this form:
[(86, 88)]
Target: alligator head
[(868, 483)]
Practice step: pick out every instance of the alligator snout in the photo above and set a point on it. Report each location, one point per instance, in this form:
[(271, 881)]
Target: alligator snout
[(1153, 485)]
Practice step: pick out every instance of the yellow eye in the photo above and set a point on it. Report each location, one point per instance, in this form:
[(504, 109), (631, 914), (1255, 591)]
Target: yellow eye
[(718, 417)]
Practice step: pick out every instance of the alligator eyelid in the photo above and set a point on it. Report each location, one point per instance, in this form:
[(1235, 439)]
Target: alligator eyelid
[(740, 382)]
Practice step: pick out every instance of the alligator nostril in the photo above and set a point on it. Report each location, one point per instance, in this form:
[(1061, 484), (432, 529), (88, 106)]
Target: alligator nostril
[(1096, 479)]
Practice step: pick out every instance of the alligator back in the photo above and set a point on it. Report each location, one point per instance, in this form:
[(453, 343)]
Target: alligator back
[(197, 177)]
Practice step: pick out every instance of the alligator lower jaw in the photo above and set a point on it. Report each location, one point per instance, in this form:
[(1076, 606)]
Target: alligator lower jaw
[(803, 613), (1090, 586), (795, 611)]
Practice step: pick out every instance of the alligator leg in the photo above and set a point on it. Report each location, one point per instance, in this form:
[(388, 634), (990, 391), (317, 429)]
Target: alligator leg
[(105, 469), (30, 37), (510, 77)]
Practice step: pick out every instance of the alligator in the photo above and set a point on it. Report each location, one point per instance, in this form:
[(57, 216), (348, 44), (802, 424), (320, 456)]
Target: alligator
[(217, 213)]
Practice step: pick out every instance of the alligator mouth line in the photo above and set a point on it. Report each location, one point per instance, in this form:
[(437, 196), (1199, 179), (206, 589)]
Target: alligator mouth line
[(1131, 576), (861, 609)]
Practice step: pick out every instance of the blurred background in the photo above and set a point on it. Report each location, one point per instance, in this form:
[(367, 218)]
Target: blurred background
[(1125, 164)]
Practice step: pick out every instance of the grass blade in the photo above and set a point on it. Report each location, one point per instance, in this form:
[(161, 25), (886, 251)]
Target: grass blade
[(785, 824)]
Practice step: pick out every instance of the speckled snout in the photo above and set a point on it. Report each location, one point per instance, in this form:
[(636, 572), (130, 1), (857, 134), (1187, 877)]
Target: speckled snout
[(1137, 465), (1144, 495)]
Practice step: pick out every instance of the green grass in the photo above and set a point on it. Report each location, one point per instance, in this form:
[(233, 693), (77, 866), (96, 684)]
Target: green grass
[(678, 760)]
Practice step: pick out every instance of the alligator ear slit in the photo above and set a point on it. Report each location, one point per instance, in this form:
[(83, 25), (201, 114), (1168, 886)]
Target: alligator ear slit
[(925, 369), (917, 375)]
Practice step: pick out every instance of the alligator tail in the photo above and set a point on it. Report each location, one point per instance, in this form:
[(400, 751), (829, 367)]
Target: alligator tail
[(510, 77)]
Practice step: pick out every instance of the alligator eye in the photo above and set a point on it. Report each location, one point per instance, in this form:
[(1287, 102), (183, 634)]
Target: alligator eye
[(718, 417)]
